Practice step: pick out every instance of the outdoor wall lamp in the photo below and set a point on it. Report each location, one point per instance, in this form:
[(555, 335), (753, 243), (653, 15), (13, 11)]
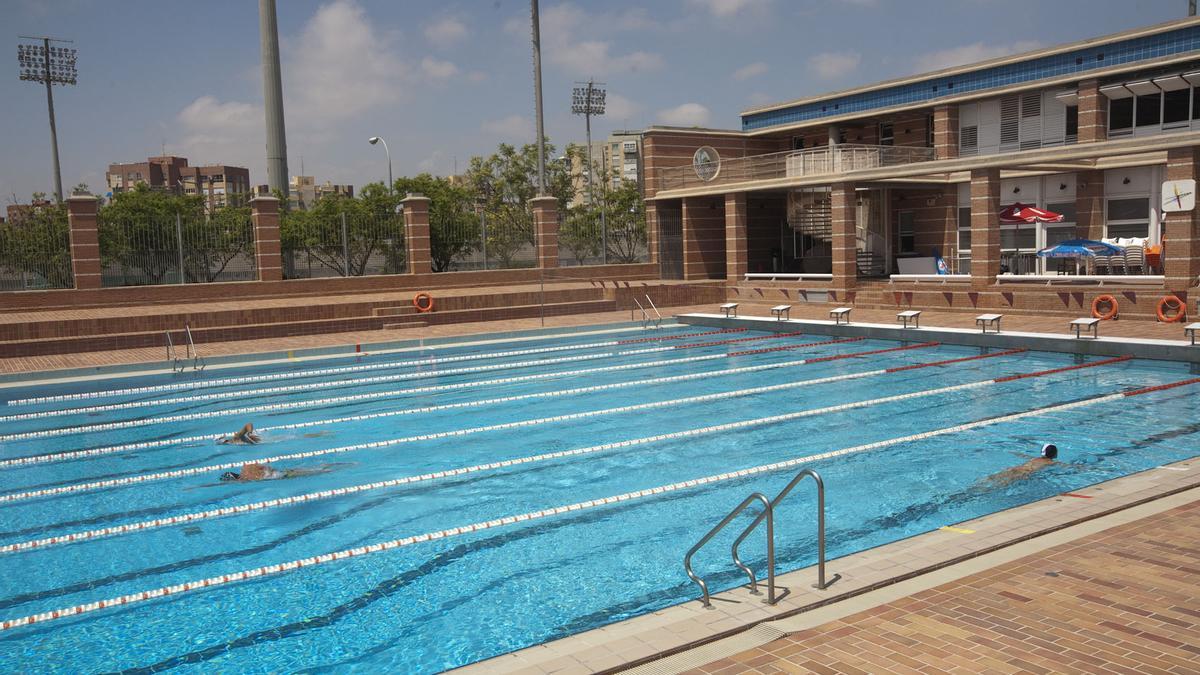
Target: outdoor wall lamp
[(1062, 186), (1125, 181), (1016, 189)]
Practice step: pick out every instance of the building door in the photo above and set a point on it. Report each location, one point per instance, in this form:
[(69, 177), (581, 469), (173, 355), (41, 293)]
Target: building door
[(871, 234), (670, 243)]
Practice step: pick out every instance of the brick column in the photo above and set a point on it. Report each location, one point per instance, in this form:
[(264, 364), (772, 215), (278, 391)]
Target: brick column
[(1181, 248), (985, 227), (703, 238), (85, 241), (945, 131), (264, 214), (652, 230), (1089, 205), (844, 207), (1093, 112), (416, 233), (736, 262), (545, 222)]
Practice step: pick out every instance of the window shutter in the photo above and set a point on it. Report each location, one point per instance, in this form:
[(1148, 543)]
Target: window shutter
[(968, 141), (989, 127), (1054, 120), (1010, 123), (1031, 120)]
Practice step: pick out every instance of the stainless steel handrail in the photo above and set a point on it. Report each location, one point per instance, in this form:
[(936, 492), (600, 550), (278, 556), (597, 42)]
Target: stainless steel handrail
[(645, 316), (821, 583), (172, 356), (197, 362), (658, 323), (767, 513)]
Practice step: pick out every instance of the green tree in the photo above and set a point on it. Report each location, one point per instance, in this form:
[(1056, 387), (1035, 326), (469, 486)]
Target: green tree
[(625, 218), (453, 223), (35, 249), (138, 232), (372, 229), (580, 233)]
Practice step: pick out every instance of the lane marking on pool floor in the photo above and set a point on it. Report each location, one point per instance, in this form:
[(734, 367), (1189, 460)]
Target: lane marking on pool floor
[(335, 384), (144, 445), (431, 360), (187, 518), (178, 473), (270, 570)]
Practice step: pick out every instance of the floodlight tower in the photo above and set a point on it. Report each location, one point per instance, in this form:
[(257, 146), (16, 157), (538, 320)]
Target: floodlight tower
[(48, 65), (587, 99)]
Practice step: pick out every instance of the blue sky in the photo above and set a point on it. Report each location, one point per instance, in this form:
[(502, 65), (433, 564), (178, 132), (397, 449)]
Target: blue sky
[(442, 81)]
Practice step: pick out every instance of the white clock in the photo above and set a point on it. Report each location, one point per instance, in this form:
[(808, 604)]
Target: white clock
[(1178, 195)]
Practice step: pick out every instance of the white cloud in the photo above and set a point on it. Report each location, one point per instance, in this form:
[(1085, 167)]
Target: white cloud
[(216, 131), (748, 71), (727, 8), (477, 76), (445, 31), (513, 127), (685, 115), (435, 69), (831, 65), (620, 108), (562, 46), (957, 56), (760, 98)]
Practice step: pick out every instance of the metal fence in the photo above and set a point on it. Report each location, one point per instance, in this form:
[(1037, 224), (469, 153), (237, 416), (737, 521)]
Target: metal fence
[(486, 240), (343, 245), (587, 239), (186, 249), (35, 252)]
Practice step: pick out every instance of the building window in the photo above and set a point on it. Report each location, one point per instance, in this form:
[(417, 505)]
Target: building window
[(906, 226), (929, 131), (1120, 115), (1176, 106), (1128, 217), (964, 240), (1149, 110), (1072, 130), (887, 134), (797, 142)]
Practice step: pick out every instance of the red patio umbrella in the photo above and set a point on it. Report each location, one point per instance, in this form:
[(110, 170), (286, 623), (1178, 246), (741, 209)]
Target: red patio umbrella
[(1024, 213)]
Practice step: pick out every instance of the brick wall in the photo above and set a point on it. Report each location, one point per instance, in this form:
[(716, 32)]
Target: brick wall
[(703, 238), (663, 149)]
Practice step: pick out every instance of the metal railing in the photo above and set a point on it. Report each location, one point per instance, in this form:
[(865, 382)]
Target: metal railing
[(829, 160), (658, 321), (768, 514), (35, 250), (183, 249), (178, 364), (343, 245)]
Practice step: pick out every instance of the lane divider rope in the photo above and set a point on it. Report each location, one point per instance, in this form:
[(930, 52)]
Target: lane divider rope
[(143, 445), (344, 369), (63, 431), (269, 570)]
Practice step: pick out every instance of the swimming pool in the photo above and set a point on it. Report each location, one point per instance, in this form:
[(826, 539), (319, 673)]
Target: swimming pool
[(481, 498)]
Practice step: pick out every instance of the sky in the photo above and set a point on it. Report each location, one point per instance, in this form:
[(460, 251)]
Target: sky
[(444, 80)]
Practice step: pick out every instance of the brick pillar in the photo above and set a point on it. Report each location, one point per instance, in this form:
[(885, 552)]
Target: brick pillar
[(1093, 112), (736, 254), (703, 238), (545, 222), (652, 230), (1181, 247), (985, 227), (1089, 205), (844, 207), (85, 241), (264, 214), (416, 233), (945, 131)]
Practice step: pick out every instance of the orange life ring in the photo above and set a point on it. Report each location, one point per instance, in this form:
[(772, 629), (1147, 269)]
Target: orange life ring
[(1165, 302), (1112, 304), (423, 302)]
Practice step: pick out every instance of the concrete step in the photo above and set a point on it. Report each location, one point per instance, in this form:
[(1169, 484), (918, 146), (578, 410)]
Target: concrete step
[(404, 324), (398, 310)]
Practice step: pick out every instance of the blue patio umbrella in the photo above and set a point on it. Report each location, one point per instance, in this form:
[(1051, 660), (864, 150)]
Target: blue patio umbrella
[(1079, 248)]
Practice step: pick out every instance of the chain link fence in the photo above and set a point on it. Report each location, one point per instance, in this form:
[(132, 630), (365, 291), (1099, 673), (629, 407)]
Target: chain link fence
[(491, 239), (342, 245), (186, 249), (35, 250), (586, 237)]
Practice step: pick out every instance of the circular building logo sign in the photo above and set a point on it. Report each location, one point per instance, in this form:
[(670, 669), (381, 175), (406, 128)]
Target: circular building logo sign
[(707, 163)]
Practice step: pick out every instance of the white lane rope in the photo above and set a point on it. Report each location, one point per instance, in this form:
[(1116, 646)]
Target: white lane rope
[(324, 494), (144, 445), (268, 570), (179, 473), (431, 360)]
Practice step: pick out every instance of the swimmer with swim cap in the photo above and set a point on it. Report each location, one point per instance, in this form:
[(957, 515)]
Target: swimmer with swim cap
[(1049, 456), (256, 472), (244, 436)]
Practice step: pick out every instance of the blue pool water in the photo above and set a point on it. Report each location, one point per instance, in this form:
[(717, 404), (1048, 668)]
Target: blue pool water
[(432, 605)]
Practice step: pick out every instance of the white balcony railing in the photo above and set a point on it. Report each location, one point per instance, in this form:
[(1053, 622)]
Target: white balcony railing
[(826, 161)]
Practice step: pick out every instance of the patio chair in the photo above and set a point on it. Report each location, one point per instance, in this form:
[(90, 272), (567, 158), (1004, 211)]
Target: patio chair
[(1135, 258)]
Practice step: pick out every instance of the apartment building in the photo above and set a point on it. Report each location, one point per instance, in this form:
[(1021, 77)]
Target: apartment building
[(867, 192), (304, 191), (219, 184), (619, 158)]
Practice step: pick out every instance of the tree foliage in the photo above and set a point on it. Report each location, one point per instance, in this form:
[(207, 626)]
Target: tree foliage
[(453, 224), (35, 248), (344, 234)]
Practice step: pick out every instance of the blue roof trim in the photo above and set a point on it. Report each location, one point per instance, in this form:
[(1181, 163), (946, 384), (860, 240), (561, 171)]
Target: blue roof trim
[(1169, 43)]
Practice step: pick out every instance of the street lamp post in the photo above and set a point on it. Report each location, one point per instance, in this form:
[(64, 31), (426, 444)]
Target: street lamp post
[(587, 100), (377, 139), (48, 65)]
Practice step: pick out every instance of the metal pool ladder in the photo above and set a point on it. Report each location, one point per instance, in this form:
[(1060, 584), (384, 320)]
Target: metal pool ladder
[(646, 318), (177, 363), (768, 514)]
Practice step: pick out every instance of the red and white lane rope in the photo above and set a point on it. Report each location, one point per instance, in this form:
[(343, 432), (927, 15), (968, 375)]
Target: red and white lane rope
[(451, 473), (179, 473), (144, 445), (64, 431), (430, 360), (270, 570)]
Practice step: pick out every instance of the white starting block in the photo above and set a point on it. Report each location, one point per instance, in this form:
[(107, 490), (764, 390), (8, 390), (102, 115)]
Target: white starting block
[(840, 313), (1190, 331), (1088, 322), (728, 308), (985, 320), (913, 315), (782, 312)]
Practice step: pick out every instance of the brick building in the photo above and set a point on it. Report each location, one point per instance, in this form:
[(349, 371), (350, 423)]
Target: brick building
[(859, 191), (220, 184), (304, 191)]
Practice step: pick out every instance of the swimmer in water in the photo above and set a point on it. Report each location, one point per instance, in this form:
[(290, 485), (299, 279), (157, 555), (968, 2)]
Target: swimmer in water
[(245, 436), (1016, 473), (256, 472)]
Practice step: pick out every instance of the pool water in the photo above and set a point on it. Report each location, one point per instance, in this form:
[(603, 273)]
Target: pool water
[(457, 439)]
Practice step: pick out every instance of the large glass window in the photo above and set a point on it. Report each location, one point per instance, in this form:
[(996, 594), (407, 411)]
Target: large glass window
[(1176, 106), (1072, 130), (887, 135), (1149, 112), (964, 240), (1128, 217), (906, 227), (1120, 114)]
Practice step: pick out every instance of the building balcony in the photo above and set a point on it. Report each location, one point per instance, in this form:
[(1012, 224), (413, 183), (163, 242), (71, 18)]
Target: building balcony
[(824, 161)]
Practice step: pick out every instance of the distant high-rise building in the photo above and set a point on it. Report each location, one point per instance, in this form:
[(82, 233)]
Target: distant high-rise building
[(305, 191), (219, 184), (619, 158)]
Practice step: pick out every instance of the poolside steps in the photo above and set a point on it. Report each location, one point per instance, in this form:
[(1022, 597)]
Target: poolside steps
[(402, 325)]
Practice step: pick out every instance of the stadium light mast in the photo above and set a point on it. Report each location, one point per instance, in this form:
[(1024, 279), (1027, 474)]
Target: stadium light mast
[(48, 65), (587, 99), (537, 95), (277, 167)]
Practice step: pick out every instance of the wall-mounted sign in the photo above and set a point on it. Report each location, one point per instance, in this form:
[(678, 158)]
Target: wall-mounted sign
[(707, 163), (1178, 195)]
